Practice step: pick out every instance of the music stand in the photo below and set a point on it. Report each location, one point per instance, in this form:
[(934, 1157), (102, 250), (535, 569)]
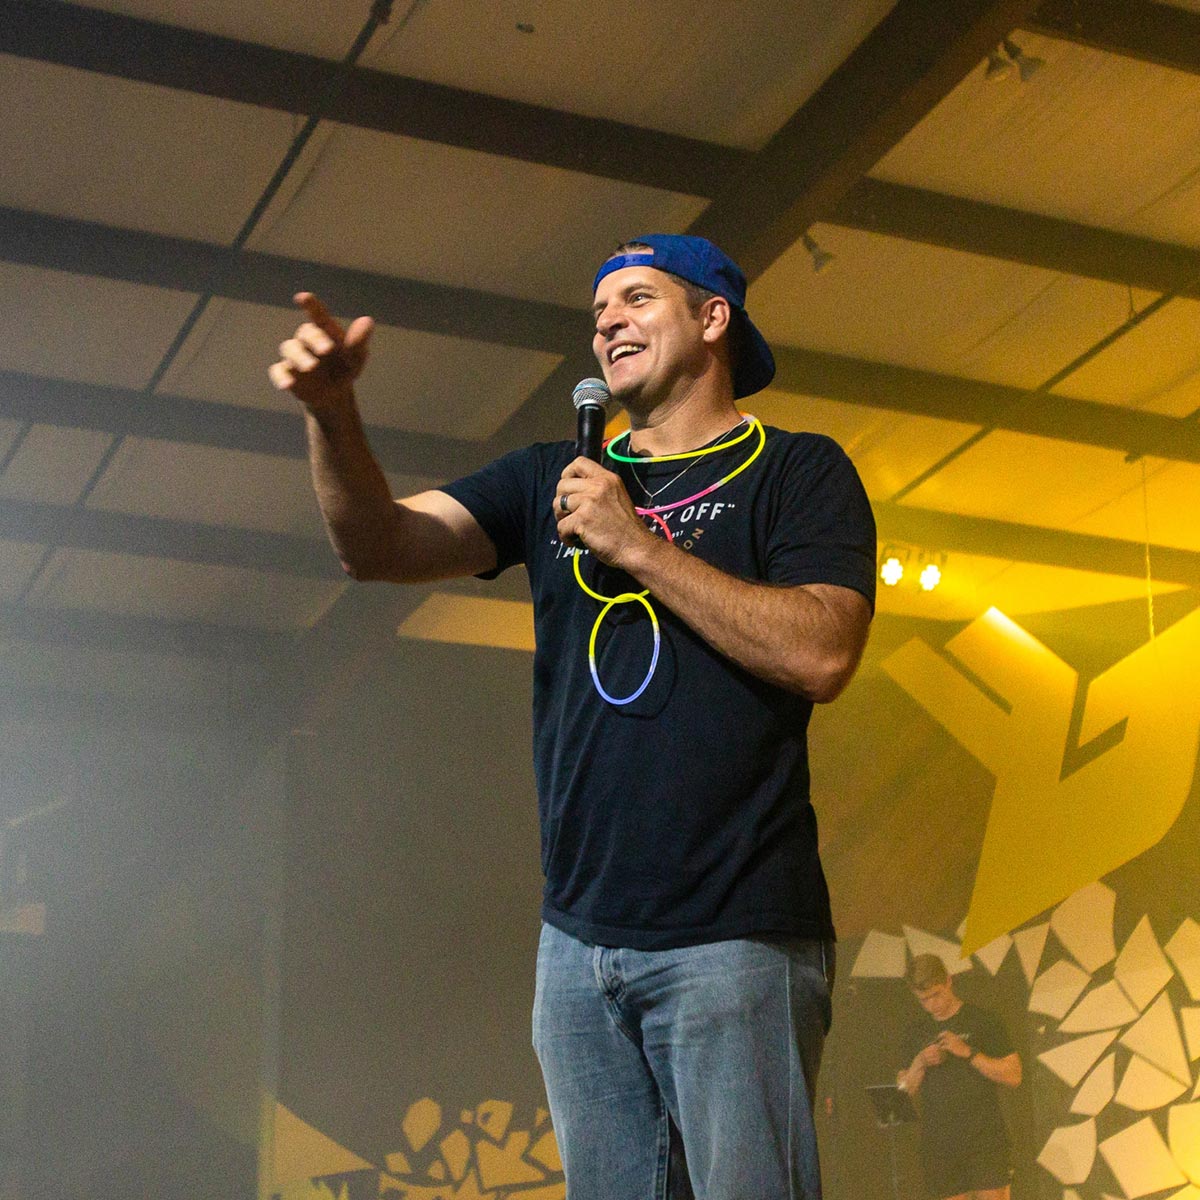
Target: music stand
[(893, 1108)]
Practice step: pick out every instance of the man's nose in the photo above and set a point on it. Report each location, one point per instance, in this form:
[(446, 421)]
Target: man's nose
[(608, 321)]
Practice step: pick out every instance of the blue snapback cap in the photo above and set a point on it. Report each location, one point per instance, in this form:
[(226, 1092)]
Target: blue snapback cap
[(698, 261)]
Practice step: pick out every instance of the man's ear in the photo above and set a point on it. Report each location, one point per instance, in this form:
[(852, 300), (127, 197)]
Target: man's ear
[(716, 315)]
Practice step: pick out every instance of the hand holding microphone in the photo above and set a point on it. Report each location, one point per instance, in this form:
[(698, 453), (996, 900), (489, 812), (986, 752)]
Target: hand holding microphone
[(591, 505)]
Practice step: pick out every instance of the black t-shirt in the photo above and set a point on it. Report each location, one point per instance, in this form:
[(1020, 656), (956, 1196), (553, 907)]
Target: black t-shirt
[(960, 1109), (684, 816)]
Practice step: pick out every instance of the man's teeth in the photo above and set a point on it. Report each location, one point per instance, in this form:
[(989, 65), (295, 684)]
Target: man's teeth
[(622, 351)]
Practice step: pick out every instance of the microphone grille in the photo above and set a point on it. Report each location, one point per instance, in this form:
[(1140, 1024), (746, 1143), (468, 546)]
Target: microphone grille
[(591, 391)]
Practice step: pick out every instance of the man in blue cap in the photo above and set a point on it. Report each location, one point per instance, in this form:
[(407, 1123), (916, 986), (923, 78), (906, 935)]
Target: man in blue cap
[(694, 594)]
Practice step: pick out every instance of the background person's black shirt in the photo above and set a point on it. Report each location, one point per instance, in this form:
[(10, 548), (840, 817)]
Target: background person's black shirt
[(960, 1108), (682, 817)]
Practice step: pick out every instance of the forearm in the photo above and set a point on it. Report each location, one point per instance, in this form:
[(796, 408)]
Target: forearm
[(1005, 1071), (789, 636), (911, 1078), (362, 519)]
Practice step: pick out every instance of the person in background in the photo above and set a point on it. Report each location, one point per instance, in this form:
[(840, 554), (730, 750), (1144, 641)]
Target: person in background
[(959, 1057)]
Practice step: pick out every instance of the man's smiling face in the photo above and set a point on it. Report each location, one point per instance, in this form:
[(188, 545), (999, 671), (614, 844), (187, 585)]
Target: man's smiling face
[(647, 337)]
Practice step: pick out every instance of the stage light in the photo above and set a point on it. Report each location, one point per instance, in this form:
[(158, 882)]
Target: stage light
[(930, 577), (998, 67), (1028, 65), (820, 258), (892, 571)]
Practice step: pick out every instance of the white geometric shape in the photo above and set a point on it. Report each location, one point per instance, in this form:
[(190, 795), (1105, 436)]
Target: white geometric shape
[(1029, 944), (1183, 1136), (1191, 1031), (1104, 1007), (1097, 1089), (1156, 1038), (994, 953), (1057, 988), (920, 942), (1070, 1152), (1142, 969), (1145, 1088), (883, 956), (1073, 1060), (1084, 924), (1140, 1160), (1184, 949)]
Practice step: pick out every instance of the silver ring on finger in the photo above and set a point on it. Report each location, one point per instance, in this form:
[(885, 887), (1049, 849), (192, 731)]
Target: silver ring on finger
[(562, 504)]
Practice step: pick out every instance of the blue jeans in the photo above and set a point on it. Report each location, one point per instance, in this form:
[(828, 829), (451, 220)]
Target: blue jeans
[(708, 1053)]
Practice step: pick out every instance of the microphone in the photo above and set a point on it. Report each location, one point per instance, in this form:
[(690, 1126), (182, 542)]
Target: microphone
[(589, 397)]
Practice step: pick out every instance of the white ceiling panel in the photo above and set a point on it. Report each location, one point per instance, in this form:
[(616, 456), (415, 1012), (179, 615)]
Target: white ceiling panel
[(671, 70), (18, 561), (52, 464), (426, 383), (215, 487), (227, 353), (86, 329), (326, 28), (1155, 366), (421, 382), (1092, 137), (940, 310), (1168, 509), (172, 590), (889, 449), (1029, 480), (410, 208), (79, 144)]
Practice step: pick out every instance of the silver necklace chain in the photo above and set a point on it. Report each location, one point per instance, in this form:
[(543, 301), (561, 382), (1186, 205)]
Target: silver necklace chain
[(651, 496)]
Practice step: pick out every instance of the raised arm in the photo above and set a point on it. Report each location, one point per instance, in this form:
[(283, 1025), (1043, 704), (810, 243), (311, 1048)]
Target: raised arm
[(424, 537)]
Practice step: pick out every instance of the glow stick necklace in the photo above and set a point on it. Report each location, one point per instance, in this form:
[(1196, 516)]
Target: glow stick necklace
[(652, 495), (609, 602)]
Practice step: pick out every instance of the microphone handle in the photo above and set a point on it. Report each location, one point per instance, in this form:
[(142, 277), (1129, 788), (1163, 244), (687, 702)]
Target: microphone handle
[(590, 438)]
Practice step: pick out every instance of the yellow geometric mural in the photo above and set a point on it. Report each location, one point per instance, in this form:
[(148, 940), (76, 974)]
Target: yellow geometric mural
[(481, 1156), (1080, 790), (1119, 1078)]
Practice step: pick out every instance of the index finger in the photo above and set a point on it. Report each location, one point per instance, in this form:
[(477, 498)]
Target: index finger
[(319, 315), (580, 468)]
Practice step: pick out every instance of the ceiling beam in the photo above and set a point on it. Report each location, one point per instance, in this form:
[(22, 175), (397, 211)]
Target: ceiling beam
[(1154, 33), (250, 73), (123, 412), (88, 248), (803, 373), (143, 635), (955, 223), (912, 59), (989, 405), (186, 541), (1032, 544)]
